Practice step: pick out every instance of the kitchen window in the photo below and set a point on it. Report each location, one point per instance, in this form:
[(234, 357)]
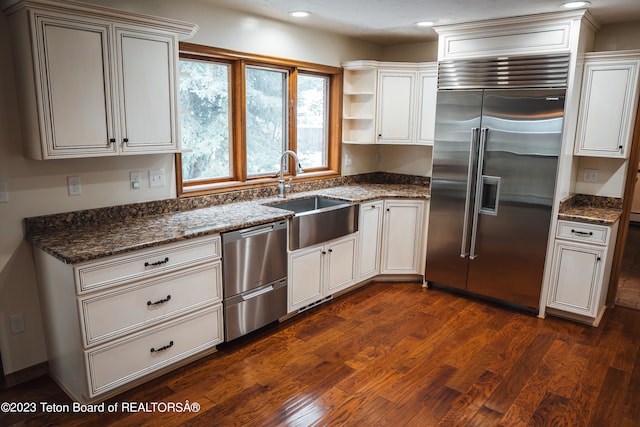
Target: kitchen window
[(239, 112)]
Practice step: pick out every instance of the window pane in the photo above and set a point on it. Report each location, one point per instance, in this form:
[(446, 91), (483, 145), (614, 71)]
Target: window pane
[(206, 126), (266, 112), (312, 122)]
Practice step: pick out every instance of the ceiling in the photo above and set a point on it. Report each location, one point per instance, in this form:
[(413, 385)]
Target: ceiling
[(389, 22)]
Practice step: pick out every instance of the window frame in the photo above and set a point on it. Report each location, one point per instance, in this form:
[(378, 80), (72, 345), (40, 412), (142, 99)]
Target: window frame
[(238, 62)]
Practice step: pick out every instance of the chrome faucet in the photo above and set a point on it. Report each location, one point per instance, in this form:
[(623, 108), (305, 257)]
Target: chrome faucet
[(282, 188)]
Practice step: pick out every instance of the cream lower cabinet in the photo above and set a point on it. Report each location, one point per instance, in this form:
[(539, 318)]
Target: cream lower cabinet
[(580, 273), (403, 237), (126, 99), (115, 322), (392, 237), (370, 241), (321, 270)]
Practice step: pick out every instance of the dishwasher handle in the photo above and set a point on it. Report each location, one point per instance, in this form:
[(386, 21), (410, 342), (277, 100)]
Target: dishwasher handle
[(245, 233), (257, 293)]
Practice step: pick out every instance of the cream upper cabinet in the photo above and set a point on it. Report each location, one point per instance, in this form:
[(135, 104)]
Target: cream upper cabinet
[(147, 99), (359, 102), (396, 106), (608, 105), (99, 82), (77, 114), (389, 102), (426, 114)]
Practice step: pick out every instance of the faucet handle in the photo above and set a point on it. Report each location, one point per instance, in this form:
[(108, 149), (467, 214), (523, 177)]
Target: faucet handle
[(288, 184)]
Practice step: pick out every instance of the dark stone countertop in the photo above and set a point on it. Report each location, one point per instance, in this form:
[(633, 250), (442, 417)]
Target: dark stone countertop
[(591, 209), (91, 240)]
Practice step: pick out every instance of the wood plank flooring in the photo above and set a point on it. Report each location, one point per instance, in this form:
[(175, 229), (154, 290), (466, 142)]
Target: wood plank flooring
[(393, 354), (628, 294)]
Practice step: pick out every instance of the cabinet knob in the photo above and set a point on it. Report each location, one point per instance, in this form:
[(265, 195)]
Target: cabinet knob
[(112, 140), (324, 253), (125, 140)]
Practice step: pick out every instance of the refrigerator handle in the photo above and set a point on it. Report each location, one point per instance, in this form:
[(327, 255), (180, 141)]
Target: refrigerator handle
[(464, 251), (478, 196)]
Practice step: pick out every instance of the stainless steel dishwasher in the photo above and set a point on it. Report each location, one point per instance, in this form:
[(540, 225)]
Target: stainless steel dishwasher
[(254, 262)]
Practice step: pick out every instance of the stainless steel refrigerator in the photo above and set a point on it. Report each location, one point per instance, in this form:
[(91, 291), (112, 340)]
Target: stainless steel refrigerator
[(494, 173)]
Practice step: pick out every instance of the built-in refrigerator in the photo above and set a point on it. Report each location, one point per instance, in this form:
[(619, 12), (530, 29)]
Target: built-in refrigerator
[(495, 161)]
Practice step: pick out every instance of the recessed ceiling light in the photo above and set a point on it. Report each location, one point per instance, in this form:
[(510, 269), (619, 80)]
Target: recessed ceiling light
[(424, 24), (575, 4), (299, 14)]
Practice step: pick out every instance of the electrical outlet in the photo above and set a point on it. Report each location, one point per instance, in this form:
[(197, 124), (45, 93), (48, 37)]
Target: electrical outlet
[(16, 322), (73, 185), (590, 175), (135, 178), (348, 160), (156, 177)]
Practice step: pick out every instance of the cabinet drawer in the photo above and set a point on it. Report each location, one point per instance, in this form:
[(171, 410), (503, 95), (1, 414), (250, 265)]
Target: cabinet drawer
[(580, 232), (112, 314), (116, 364), (151, 262)]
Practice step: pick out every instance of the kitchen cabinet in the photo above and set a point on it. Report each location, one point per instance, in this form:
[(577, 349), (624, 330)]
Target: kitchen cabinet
[(321, 270), (581, 266), (359, 102), (114, 322), (427, 94), (608, 105), (370, 241), (389, 102), (396, 106), (392, 237), (126, 100), (403, 242)]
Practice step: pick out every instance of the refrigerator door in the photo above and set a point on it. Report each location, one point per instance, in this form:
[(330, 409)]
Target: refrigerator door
[(458, 114), (521, 131)]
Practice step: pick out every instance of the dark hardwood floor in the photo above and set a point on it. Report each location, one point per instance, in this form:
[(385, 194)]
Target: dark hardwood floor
[(393, 354), (628, 294)]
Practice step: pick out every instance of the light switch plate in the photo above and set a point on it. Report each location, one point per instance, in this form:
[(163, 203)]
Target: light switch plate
[(73, 185), (156, 177), (135, 179)]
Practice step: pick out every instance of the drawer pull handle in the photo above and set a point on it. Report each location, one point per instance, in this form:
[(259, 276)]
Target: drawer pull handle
[(582, 233), (157, 263), (155, 350), (160, 301)]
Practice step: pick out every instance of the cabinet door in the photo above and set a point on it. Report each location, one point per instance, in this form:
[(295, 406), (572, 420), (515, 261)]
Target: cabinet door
[(305, 277), (427, 93), (607, 108), (396, 99), (340, 259), (576, 278), (147, 99), (402, 237), (370, 229), (74, 86)]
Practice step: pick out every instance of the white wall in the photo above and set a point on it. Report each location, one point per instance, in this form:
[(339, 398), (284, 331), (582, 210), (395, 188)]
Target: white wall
[(39, 187)]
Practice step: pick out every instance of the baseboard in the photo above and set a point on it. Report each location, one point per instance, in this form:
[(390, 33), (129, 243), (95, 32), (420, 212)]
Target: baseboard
[(24, 375)]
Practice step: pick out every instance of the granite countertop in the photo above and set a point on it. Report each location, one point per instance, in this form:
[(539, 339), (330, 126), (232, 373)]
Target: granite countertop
[(85, 242), (591, 209)]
